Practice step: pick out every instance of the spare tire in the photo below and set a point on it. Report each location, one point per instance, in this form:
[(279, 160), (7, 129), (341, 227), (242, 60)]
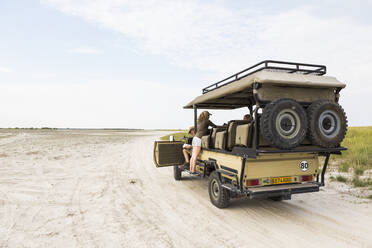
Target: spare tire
[(327, 123), (284, 123)]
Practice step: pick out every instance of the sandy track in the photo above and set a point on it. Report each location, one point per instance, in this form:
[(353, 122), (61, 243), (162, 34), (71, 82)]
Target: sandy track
[(101, 189)]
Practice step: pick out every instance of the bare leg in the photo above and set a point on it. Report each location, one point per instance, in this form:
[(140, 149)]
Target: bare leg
[(186, 155), (194, 157)]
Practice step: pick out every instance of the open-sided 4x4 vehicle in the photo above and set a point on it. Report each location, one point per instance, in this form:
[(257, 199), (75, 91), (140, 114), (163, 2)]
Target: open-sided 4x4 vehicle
[(296, 119)]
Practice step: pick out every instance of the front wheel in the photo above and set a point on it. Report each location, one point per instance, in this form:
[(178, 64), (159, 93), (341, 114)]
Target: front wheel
[(220, 197), (177, 173)]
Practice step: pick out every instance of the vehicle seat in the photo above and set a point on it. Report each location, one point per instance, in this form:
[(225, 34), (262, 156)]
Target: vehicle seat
[(242, 133), (231, 132), (220, 142), (213, 135), (206, 141), (263, 141)]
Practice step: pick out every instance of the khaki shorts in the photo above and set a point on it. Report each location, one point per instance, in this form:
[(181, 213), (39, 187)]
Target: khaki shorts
[(196, 141)]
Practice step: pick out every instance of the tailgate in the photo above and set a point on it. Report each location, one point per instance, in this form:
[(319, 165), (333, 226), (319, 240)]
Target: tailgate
[(281, 165)]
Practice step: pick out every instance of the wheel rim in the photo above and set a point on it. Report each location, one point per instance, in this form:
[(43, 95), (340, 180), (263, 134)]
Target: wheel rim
[(329, 123), (287, 123), (215, 189)]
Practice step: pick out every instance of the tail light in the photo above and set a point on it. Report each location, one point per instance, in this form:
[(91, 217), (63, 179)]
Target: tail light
[(307, 178), (252, 182)]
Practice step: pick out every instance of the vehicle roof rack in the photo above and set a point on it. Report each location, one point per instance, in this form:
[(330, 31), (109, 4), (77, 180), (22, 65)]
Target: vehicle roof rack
[(271, 65)]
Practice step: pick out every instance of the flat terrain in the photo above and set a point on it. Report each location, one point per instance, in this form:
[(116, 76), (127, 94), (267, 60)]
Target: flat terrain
[(101, 189)]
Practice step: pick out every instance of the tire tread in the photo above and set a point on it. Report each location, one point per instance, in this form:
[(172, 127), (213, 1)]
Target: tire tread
[(314, 137)]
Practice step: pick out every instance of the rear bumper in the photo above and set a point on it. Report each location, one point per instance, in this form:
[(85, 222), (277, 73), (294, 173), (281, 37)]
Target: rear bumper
[(282, 190)]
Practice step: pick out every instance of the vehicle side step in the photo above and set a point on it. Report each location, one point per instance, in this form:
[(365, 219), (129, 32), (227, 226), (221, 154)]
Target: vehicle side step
[(193, 174), (230, 187)]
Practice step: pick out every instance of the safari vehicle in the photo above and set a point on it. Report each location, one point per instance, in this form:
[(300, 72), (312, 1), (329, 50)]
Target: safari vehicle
[(296, 119)]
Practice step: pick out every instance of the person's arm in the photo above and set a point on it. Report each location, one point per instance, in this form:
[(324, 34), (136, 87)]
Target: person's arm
[(211, 124)]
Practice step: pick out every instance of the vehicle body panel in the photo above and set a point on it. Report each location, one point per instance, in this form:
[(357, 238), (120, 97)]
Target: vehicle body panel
[(265, 166), (280, 165)]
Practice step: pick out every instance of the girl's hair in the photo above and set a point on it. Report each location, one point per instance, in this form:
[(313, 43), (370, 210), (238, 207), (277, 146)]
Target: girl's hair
[(204, 116)]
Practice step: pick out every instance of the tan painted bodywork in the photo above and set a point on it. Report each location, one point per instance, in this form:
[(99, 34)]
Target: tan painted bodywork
[(272, 92), (267, 165)]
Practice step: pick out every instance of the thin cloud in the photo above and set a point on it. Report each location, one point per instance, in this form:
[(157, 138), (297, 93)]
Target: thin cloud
[(216, 38), (44, 75), (221, 40), (5, 69), (85, 50)]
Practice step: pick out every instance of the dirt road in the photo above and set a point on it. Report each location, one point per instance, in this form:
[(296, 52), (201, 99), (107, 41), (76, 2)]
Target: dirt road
[(101, 189)]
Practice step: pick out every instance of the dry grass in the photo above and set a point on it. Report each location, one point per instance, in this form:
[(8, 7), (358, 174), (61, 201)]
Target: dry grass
[(177, 136), (358, 157), (359, 143), (357, 182)]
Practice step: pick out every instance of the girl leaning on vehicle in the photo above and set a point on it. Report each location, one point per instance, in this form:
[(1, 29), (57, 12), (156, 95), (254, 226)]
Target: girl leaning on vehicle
[(202, 129)]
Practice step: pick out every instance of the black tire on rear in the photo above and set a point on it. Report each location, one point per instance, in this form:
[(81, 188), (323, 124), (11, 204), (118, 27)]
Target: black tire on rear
[(219, 196), (177, 173), (284, 123), (327, 123)]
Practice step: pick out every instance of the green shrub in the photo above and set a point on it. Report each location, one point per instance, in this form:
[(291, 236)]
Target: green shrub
[(358, 171), (357, 182), (341, 179)]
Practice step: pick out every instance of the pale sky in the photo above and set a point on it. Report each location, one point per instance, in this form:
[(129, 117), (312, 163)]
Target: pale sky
[(135, 64)]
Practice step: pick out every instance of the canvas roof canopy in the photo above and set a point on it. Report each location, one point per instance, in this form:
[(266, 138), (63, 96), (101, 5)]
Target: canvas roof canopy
[(239, 93)]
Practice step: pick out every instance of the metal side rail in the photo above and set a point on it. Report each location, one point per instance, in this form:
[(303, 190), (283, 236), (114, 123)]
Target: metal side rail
[(229, 186), (283, 66), (282, 190)]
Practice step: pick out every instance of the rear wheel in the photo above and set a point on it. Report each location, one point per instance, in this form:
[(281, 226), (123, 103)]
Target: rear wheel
[(284, 123), (327, 123), (220, 197), (177, 173)]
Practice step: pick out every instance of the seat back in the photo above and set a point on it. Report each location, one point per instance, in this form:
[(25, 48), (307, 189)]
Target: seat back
[(262, 140), (206, 141), (242, 133), (213, 135), (231, 132), (220, 142)]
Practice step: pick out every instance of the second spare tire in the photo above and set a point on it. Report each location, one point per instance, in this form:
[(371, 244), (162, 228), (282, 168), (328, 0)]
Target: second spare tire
[(284, 123), (327, 123)]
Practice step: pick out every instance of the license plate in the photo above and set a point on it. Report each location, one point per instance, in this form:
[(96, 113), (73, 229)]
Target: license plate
[(280, 180)]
